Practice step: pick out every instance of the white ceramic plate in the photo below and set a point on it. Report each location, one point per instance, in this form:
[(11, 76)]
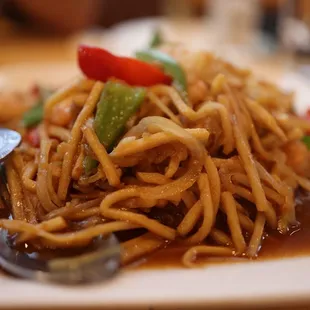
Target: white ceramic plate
[(255, 284), (258, 283), (277, 282)]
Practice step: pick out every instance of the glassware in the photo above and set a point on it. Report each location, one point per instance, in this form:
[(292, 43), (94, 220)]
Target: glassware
[(235, 28), (294, 25), (294, 33)]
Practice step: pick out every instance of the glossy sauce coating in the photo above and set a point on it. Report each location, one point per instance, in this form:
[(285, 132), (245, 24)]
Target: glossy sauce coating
[(274, 246)]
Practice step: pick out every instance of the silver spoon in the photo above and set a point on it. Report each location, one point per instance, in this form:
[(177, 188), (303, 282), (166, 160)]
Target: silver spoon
[(96, 265), (9, 140)]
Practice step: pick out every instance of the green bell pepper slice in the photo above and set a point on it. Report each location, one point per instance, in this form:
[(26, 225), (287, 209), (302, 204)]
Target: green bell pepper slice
[(118, 102), (35, 115), (306, 141), (157, 39), (170, 67)]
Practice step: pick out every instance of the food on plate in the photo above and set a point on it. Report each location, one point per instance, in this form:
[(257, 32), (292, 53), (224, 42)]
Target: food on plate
[(171, 147), (13, 105)]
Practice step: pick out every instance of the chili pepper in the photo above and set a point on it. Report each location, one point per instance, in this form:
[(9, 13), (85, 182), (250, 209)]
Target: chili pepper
[(170, 66), (99, 64)]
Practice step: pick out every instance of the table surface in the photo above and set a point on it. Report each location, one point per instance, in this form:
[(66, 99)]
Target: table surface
[(19, 47)]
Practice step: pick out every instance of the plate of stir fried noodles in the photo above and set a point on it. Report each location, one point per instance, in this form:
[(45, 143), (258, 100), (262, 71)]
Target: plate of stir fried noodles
[(167, 149)]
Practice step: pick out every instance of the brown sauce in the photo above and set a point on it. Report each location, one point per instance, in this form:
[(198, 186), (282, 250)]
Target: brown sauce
[(274, 246)]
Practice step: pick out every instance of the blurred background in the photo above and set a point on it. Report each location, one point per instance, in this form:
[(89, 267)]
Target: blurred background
[(271, 36)]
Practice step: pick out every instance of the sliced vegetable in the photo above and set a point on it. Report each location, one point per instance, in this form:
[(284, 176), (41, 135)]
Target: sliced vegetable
[(117, 104), (306, 141), (170, 66), (32, 137), (89, 164), (99, 64), (35, 115), (157, 39)]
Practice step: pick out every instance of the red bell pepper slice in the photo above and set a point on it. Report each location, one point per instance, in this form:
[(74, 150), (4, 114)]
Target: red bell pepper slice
[(99, 64), (35, 90), (32, 137)]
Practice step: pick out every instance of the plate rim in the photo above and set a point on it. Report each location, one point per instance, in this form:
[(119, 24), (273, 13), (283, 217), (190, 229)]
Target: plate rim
[(266, 297)]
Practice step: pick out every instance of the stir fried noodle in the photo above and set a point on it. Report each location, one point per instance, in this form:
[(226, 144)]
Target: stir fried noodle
[(211, 171)]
